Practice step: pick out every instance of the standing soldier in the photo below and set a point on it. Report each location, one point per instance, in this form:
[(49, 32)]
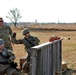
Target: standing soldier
[(7, 58), (6, 34), (28, 41)]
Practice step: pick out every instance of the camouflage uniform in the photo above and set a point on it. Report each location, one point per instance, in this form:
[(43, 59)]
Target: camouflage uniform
[(6, 57), (28, 43), (5, 32)]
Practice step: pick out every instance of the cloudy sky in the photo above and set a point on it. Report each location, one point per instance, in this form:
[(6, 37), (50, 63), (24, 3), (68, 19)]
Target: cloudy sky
[(42, 10)]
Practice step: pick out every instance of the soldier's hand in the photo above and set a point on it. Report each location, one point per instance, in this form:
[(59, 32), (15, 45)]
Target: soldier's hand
[(14, 34)]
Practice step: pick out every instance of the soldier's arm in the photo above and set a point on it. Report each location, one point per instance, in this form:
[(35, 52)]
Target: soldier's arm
[(14, 40), (19, 41), (36, 41), (10, 31)]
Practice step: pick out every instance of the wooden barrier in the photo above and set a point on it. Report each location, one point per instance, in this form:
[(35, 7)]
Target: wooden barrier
[(47, 58)]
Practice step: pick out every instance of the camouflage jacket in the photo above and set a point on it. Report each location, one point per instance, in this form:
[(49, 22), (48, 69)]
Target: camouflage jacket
[(5, 32), (6, 57), (28, 43)]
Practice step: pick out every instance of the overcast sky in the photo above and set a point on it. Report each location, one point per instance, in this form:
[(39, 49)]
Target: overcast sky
[(42, 10)]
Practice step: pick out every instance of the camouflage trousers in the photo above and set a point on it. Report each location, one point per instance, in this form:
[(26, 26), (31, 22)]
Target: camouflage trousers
[(26, 65), (10, 71)]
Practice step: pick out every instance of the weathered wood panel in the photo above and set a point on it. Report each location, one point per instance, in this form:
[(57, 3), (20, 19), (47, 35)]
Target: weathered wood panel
[(47, 58)]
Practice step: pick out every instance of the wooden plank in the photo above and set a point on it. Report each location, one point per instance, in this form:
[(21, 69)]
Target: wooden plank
[(44, 44)]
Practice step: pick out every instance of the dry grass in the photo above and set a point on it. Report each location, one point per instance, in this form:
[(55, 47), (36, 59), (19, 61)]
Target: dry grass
[(68, 46), (54, 26)]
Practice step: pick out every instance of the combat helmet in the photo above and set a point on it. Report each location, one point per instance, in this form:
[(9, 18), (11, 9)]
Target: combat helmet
[(1, 41), (25, 31)]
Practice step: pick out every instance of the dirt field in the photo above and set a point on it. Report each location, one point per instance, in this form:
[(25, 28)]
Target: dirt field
[(68, 46)]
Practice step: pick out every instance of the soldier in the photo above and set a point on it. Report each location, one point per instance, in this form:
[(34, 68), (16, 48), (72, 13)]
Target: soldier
[(6, 34), (28, 41), (7, 58)]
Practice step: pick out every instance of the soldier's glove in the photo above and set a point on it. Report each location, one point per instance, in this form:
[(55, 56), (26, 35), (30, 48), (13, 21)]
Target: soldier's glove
[(14, 34), (14, 64)]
